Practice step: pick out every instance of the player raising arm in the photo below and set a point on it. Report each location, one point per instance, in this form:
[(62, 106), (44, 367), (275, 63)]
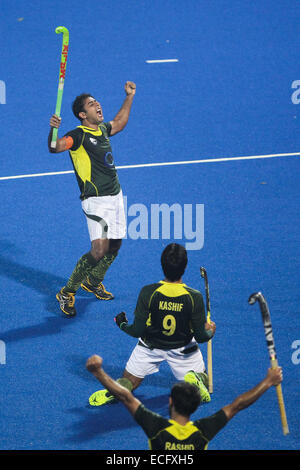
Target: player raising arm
[(100, 192), (91, 116), (178, 432), (169, 320)]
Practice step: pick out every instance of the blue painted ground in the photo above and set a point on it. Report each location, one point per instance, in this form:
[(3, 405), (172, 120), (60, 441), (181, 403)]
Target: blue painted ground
[(229, 95)]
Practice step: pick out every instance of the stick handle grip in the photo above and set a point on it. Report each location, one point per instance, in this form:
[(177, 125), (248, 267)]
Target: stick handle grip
[(209, 343), (54, 138), (209, 360), (284, 423), (209, 366)]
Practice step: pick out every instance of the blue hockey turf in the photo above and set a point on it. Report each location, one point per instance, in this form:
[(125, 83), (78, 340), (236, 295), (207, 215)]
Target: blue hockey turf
[(229, 94)]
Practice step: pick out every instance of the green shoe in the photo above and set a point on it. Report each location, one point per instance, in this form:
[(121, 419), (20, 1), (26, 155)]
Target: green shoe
[(194, 378), (101, 398)]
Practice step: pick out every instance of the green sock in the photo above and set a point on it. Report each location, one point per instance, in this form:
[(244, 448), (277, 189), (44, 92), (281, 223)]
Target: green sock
[(82, 269), (97, 274), (125, 383)]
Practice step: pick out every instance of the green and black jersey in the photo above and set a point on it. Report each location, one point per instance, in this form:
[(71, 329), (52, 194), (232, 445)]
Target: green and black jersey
[(93, 162), (167, 434), (168, 315)]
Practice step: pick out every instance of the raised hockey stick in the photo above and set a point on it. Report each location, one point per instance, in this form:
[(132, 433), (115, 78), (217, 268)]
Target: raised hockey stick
[(62, 74), (272, 352)]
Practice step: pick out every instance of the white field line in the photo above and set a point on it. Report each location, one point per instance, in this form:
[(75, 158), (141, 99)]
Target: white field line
[(35, 174), (145, 165), (160, 61)]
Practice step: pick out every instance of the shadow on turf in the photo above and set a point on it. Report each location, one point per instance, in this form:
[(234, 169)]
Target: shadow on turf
[(48, 285), (99, 421)]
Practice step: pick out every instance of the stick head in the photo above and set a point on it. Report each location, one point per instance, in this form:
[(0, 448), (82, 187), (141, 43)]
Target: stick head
[(254, 297), (263, 307), (203, 272), (62, 29)]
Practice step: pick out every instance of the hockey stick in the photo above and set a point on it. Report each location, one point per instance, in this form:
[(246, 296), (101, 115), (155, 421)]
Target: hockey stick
[(272, 352), (62, 74), (209, 344)]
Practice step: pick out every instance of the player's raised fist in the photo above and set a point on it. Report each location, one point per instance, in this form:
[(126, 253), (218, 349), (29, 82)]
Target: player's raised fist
[(130, 88), (94, 363)]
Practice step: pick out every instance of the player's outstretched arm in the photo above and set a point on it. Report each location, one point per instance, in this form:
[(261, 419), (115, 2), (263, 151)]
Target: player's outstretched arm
[(94, 365), (61, 144), (136, 330), (273, 377), (121, 119)]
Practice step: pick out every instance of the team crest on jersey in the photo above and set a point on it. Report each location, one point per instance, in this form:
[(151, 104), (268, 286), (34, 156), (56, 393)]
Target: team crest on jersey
[(94, 141), (108, 159)]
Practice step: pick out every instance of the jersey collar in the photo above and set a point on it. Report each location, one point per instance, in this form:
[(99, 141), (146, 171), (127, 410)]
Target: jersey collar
[(90, 130)]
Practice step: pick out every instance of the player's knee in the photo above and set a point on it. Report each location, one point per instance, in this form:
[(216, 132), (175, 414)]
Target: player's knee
[(114, 246), (135, 381), (99, 249)]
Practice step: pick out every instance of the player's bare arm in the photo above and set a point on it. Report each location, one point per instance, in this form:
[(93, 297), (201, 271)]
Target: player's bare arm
[(61, 144), (94, 365), (273, 378), (121, 119)]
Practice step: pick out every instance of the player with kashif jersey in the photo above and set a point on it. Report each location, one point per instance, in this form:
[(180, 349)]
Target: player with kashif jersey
[(169, 321)]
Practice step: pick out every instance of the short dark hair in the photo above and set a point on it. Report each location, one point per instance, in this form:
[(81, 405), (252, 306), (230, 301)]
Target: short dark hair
[(174, 261), (186, 398), (78, 104)]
